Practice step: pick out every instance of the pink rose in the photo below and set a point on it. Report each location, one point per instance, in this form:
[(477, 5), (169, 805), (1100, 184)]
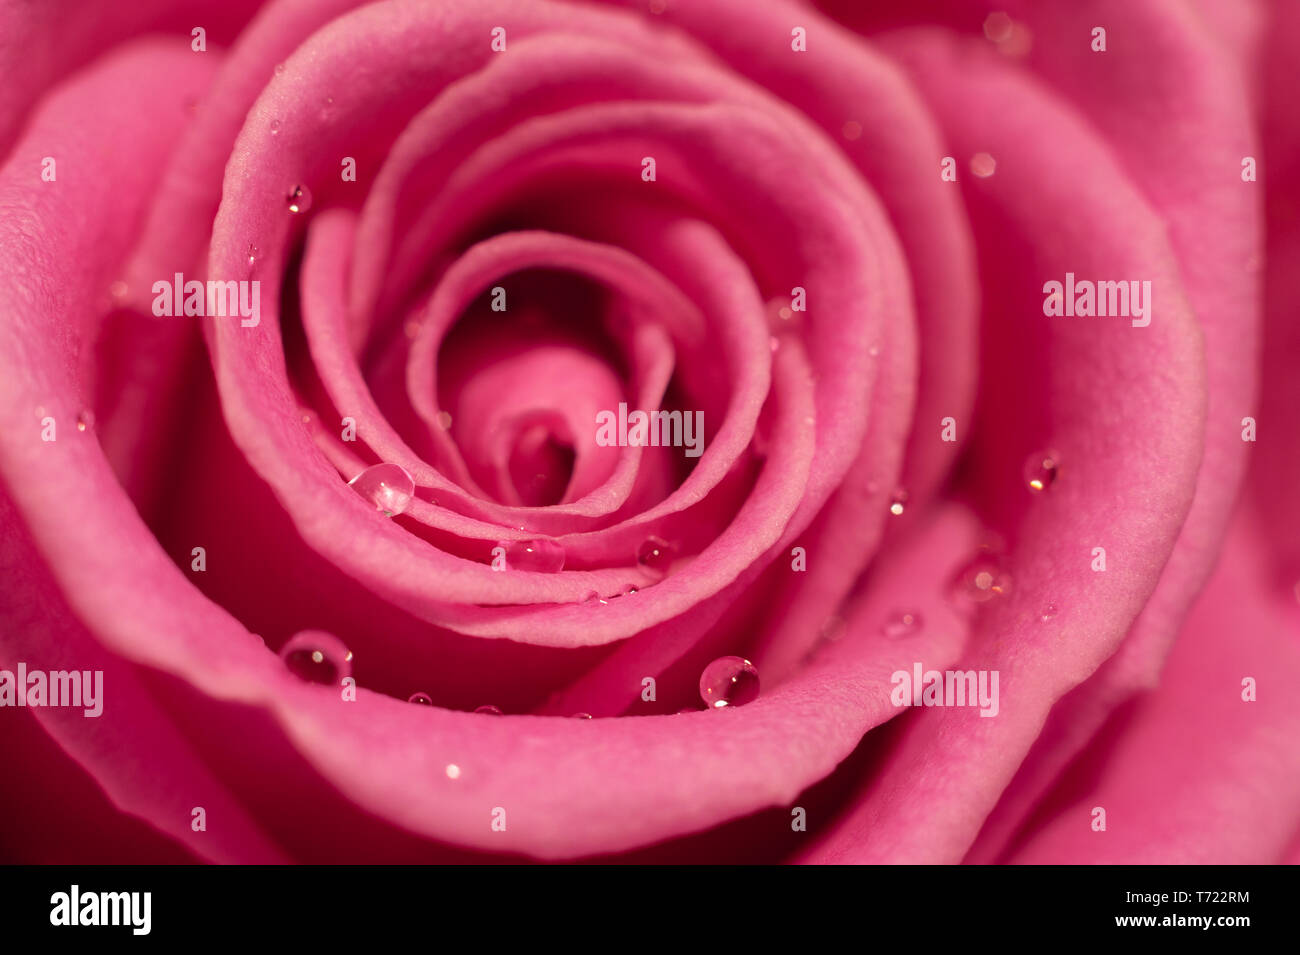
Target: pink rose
[(974, 327)]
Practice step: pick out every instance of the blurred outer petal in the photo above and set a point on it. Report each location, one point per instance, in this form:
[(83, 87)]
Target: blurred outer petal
[(67, 819), (1193, 774), (179, 224), (1175, 112), (1277, 453), (59, 241), (951, 765), (44, 41), (133, 749)]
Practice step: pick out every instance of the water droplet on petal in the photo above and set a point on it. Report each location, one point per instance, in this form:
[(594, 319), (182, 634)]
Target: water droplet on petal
[(728, 681), (581, 716), (85, 420), (299, 199), (489, 710), (655, 555), (275, 127), (540, 556), (983, 165), (387, 486), (1041, 470), (424, 699), (898, 502), (901, 623), (982, 579), (997, 27), (317, 657), (593, 598), (279, 69), (252, 254), (453, 771), (444, 420), (781, 317), (1048, 613), (1013, 38)]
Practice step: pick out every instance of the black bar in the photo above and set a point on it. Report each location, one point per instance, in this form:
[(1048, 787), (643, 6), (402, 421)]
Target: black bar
[(330, 904)]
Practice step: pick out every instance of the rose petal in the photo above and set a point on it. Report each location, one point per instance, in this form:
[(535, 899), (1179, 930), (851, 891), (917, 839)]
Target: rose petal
[(1191, 756), (1124, 495)]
